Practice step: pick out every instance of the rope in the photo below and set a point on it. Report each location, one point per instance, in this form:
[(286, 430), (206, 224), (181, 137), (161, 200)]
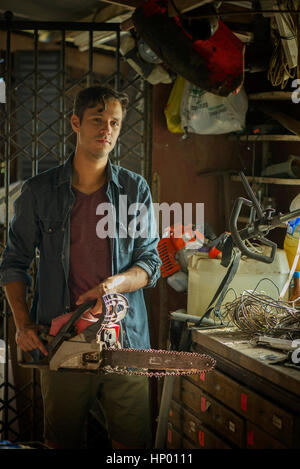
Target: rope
[(279, 71)]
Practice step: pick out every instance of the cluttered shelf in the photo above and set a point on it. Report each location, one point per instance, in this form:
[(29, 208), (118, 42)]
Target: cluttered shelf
[(269, 180), (246, 402), (269, 118), (231, 344)]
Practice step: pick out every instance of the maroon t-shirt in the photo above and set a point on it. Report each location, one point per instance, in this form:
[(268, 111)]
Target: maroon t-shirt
[(90, 257)]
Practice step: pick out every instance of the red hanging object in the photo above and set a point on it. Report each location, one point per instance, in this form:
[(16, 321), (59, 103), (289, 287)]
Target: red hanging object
[(215, 64)]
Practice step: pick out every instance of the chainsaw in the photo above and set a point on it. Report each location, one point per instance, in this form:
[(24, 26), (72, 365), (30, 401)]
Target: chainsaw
[(97, 348)]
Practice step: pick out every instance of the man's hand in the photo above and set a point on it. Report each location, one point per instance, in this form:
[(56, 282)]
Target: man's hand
[(107, 286), (131, 280), (27, 338)]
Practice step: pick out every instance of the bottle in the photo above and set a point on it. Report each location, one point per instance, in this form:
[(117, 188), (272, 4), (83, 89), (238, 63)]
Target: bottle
[(296, 289), (291, 242)]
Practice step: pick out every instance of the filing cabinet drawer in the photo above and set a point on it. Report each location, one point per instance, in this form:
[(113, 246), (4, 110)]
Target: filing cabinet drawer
[(191, 427), (210, 411), (175, 440), (258, 439), (268, 416)]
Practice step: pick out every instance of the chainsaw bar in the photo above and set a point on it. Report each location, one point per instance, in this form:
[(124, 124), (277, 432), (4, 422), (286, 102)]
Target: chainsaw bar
[(162, 362), (105, 354)]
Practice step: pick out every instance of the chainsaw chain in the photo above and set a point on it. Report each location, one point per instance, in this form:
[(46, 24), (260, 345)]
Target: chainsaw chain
[(160, 374)]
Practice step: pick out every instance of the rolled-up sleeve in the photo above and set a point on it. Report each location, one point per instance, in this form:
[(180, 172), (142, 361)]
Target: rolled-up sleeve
[(23, 238), (145, 253)]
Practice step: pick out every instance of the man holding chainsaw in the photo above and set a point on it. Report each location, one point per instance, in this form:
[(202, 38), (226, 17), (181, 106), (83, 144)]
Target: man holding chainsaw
[(60, 213)]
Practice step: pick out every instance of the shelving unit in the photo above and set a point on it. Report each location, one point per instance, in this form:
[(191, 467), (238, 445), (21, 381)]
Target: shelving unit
[(283, 119), (267, 138), (271, 96), (267, 180)]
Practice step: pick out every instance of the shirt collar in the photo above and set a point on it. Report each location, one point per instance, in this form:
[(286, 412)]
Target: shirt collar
[(65, 175)]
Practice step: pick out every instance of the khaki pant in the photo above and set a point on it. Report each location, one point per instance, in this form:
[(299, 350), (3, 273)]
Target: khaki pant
[(69, 396)]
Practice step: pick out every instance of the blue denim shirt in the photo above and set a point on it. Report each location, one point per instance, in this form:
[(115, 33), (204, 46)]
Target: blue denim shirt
[(42, 220)]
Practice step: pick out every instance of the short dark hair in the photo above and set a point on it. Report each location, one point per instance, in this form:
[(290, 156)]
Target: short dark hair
[(91, 96)]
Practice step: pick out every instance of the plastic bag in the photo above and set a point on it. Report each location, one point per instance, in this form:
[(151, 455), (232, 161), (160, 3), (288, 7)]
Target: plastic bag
[(206, 113), (172, 109)]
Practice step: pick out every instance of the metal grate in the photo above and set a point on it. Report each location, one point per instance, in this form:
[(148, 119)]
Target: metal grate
[(35, 134)]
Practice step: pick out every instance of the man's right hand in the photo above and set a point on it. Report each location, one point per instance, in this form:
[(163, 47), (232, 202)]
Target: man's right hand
[(27, 338)]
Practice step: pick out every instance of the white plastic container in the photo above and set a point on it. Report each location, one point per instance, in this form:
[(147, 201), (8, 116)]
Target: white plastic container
[(205, 276)]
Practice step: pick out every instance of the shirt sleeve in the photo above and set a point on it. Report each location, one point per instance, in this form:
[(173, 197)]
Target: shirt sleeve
[(23, 238), (145, 253)]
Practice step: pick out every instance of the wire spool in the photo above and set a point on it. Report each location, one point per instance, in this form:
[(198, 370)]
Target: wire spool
[(256, 313)]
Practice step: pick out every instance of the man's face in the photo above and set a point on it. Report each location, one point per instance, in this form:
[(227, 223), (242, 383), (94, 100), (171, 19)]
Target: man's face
[(99, 128)]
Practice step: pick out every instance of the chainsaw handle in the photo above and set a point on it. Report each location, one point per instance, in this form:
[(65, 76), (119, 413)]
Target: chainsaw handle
[(43, 363), (239, 242)]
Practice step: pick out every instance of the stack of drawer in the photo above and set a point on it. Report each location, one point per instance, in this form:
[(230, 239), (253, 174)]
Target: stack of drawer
[(213, 411)]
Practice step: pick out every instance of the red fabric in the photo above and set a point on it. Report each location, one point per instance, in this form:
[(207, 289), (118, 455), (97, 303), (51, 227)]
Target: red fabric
[(90, 257), (86, 320), (154, 7), (223, 53)]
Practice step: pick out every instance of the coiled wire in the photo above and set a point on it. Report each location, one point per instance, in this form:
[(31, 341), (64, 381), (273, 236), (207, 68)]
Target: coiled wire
[(257, 313)]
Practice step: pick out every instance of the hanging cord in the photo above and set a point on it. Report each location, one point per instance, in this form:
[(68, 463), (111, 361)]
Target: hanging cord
[(279, 72)]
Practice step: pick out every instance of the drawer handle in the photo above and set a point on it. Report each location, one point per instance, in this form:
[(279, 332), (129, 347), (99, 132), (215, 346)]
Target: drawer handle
[(192, 426), (231, 426), (277, 421), (205, 404)]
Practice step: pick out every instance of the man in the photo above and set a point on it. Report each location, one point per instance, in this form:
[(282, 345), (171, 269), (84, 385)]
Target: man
[(59, 212)]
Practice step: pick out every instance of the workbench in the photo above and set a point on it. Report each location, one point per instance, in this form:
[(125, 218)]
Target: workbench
[(246, 402)]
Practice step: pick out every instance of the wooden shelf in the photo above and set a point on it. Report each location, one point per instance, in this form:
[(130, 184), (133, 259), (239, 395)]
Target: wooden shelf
[(266, 138), (265, 180), (271, 96), (246, 220)]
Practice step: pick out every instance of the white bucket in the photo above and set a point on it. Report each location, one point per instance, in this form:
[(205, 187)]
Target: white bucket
[(205, 276)]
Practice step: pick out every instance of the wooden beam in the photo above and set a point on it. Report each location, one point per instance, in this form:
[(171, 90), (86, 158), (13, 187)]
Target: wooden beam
[(81, 39), (110, 13), (185, 5), (288, 122), (102, 64), (181, 5), (271, 96), (266, 138), (130, 5)]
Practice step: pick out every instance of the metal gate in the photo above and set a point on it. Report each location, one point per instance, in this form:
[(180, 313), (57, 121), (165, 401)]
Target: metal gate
[(41, 81)]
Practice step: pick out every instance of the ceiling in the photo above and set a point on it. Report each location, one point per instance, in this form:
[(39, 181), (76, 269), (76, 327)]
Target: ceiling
[(100, 11), (239, 15), (52, 10), (74, 10)]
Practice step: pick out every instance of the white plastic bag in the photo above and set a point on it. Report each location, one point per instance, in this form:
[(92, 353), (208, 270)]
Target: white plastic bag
[(207, 113)]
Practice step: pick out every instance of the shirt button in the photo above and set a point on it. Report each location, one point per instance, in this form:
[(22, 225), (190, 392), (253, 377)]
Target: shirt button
[(50, 230)]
